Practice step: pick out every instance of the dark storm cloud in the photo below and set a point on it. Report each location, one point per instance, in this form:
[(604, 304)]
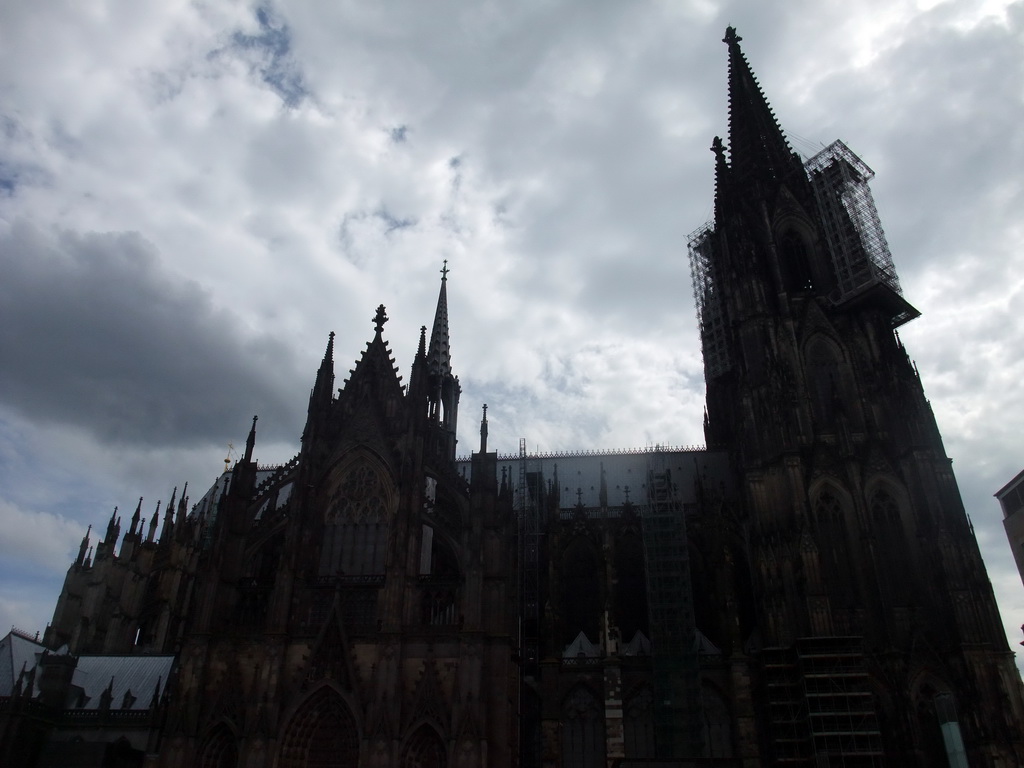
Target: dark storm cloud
[(95, 333)]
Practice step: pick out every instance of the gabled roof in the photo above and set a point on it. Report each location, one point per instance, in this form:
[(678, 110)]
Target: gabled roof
[(139, 675), (17, 652)]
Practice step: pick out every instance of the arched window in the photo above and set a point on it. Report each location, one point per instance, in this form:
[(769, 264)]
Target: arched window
[(638, 724), (322, 734), (356, 525), (630, 599), (717, 723), (837, 566), (796, 263), (823, 381), (582, 730), (581, 591), (439, 580), (891, 548), (219, 749), (425, 750)]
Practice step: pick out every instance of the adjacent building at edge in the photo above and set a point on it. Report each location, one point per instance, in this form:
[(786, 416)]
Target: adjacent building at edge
[(807, 591)]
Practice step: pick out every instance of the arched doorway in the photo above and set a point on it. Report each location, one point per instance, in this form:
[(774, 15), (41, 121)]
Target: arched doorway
[(322, 734)]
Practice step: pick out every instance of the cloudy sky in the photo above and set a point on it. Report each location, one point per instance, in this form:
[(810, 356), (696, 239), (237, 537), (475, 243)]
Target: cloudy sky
[(193, 194)]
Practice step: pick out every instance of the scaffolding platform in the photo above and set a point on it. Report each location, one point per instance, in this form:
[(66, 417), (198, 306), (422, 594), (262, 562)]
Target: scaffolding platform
[(821, 710)]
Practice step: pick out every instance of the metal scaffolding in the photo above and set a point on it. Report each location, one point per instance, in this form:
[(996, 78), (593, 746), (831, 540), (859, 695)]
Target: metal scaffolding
[(820, 705), (527, 510), (860, 252), (678, 717), (708, 300)]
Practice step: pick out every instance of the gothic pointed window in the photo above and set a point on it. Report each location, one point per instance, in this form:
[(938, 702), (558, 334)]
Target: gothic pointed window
[(890, 546), (834, 550), (356, 525), (638, 724), (322, 734), (630, 598), (581, 591), (583, 735), (824, 381), (219, 749), (425, 750), (439, 580), (717, 723), (796, 264)]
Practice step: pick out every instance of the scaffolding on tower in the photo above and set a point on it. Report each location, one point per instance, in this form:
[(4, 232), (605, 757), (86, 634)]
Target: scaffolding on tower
[(708, 301), (860, 253), (527, 510), (678, 726)]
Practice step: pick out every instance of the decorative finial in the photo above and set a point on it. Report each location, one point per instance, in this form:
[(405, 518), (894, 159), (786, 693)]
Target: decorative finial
[(445, 270), (379, 319), (730, 36), (718, 147)]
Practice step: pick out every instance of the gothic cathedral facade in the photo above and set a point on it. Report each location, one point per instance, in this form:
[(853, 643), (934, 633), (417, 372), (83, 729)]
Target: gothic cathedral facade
[(807, 591)]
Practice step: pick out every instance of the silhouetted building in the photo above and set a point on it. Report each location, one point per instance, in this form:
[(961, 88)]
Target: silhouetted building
[(1011, 499), (807, 591)]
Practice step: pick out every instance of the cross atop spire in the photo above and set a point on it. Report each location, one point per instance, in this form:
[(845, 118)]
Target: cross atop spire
[(439, 354)]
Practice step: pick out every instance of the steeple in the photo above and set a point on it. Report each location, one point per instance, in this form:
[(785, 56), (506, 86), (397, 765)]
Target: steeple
[(322, 394), (80, 560), (439, 356), (113, 529), (323, 389), (167, 531), (135, 527), (151, 533), (182, 515), (758, 148), (483, 431), (250, 441)]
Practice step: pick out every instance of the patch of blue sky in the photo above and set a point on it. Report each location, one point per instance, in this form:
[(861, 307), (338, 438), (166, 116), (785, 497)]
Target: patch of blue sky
[(278, 67)]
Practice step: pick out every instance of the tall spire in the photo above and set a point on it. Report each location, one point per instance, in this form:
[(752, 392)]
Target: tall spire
[(439, 355), (135, 519), (324, 386), (151, 534), (322, 394), (758, 148), (168, 527), (483, 431), (113, 529), (80, 560), (250, 441)]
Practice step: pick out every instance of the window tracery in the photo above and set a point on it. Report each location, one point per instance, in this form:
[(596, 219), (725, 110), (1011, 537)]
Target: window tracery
[(583, 737), (834, 550), (356, 525), (322, 734), (425, 750)]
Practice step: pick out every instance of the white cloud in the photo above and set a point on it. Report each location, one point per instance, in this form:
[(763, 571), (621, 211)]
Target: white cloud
[(266, 181)]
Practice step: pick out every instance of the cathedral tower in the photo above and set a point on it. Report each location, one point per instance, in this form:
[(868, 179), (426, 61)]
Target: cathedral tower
[(866, 574)]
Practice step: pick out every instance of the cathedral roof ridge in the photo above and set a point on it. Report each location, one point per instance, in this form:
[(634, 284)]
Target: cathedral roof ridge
[(600, 452)]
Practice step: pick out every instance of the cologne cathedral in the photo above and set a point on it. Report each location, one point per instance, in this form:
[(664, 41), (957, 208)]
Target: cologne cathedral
[(807, 591)]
